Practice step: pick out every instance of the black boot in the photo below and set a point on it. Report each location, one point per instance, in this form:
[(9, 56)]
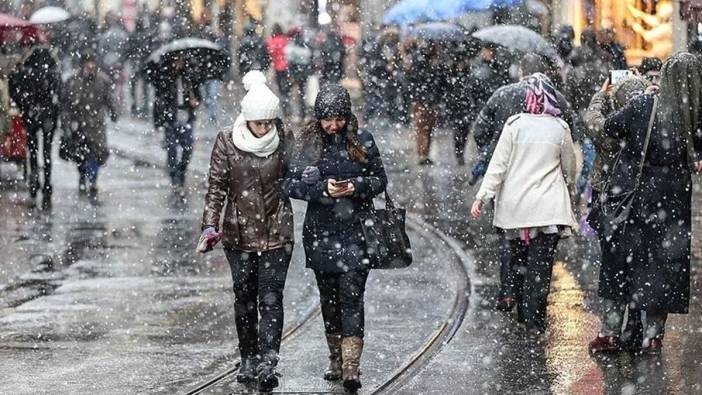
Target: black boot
[(267, 376), (247, 370), (46, 197)]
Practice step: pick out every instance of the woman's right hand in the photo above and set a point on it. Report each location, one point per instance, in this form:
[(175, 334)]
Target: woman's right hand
[(208, 239), (477, 210), (339, 190)]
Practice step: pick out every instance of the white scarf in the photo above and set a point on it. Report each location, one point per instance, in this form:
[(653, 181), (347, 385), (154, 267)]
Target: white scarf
[(246, 141)]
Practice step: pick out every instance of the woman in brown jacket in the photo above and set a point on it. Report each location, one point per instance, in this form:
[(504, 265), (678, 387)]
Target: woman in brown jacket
[(246, 167)]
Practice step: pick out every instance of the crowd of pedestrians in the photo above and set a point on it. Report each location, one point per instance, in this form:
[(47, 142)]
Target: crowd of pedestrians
[(639, 138)]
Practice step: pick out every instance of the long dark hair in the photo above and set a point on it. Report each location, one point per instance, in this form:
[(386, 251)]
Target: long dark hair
[(312, 134)]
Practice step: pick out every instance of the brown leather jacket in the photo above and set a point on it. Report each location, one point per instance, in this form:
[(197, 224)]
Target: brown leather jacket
[(258, 217)]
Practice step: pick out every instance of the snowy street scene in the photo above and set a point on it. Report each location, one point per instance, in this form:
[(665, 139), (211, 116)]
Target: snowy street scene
[(351, 197)]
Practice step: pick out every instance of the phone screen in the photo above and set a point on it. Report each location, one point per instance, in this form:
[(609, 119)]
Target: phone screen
[(616, 76)]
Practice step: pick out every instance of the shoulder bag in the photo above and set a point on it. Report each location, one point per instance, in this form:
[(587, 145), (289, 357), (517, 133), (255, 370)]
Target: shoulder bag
[(387, 243)]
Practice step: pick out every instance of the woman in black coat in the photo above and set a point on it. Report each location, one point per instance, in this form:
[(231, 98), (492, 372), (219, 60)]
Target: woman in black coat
[(338, 171), (653, 274)]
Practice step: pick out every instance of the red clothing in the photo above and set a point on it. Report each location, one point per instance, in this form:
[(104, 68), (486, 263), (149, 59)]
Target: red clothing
[(276, 48)]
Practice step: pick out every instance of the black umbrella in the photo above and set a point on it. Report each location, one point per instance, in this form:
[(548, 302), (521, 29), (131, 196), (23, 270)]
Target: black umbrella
[(204, 60), (517, 38)]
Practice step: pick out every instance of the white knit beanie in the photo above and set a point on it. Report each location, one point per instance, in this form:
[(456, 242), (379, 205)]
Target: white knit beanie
[(260, 102)]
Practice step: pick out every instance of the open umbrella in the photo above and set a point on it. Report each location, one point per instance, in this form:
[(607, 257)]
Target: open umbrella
[(517, 38), (439, 31), (47, 15), (411, 11), (204, 60), (15, 30)]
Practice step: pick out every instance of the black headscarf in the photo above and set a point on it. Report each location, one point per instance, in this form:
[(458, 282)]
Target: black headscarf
[(679, 104)]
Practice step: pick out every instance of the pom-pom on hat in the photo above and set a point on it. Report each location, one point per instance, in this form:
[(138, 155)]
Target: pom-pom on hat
[(260, 102)]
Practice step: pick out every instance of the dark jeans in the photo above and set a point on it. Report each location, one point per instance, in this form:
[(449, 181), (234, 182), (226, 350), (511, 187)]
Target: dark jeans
[(88, 169), (178, 136), (35, 128), (259, 279), (531, 268), (341, 296)]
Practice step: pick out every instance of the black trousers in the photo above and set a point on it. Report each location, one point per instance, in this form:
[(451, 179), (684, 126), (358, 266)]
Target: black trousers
[(341, 296), (36, 128), (259, 279), (531, 268)]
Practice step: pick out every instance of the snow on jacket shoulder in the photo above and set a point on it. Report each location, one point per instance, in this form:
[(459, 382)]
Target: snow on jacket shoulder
[(532, 173)]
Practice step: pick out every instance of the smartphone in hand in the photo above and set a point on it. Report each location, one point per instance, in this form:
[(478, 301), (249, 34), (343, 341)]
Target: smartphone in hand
[(616, 76)]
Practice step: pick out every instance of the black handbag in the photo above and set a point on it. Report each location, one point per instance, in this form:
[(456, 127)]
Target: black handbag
[(387, 243), (614, 209), (68, 147)]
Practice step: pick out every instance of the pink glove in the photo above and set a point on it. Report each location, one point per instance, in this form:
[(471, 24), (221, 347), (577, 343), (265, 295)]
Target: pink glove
[(209, 238)]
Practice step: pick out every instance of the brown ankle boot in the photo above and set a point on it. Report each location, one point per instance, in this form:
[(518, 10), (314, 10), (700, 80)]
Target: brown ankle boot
[(351, 350), (333, 372)]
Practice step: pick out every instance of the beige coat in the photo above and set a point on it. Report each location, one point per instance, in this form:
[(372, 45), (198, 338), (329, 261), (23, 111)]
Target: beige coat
[(532, 173)]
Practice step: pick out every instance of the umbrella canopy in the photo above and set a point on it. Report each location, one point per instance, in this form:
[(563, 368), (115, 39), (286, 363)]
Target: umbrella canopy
[(411, 11), (47, 15), (17, 30), (204, 59), (439, 31), (517, 38)]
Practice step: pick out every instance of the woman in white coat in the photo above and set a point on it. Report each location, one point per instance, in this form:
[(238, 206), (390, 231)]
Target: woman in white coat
[(531, 177)]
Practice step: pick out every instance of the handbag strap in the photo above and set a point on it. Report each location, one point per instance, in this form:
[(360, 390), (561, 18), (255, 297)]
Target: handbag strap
[(647, 139), (388, 200)]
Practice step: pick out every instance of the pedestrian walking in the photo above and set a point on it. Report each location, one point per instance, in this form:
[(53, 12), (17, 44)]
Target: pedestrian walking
[(299, 57), (276, 49), (112, 46), (246, 164), (338, 171), (176, 96), (35, 86), (504, 103), (531, 176), (87, 102), (252, 51), (424, 78), (332, 54), (652, 181)]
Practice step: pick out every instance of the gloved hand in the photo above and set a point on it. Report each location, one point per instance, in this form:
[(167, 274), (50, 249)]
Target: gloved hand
[(311, 175), (208, 239)]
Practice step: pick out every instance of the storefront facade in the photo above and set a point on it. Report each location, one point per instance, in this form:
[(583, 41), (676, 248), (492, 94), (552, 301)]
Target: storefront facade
[(645, 28)]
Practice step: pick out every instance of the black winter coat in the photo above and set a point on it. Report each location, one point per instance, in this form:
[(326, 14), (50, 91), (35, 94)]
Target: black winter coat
[(332, 234), (35, 86), (166, 100), (510, 100), (651, 264)]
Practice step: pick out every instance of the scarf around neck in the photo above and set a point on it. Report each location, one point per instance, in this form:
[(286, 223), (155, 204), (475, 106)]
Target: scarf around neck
[(246, 141)]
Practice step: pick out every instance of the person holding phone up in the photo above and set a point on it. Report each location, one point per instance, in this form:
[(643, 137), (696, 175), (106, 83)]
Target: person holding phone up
[(338, 171), (247, 164)]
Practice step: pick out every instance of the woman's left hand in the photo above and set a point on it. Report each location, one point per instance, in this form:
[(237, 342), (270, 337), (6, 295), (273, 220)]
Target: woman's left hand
[(477, 210)]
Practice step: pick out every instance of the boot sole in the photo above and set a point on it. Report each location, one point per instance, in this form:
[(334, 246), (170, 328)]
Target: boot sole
[(245, 379), (332, 377), (352, 385), (267, 384)]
